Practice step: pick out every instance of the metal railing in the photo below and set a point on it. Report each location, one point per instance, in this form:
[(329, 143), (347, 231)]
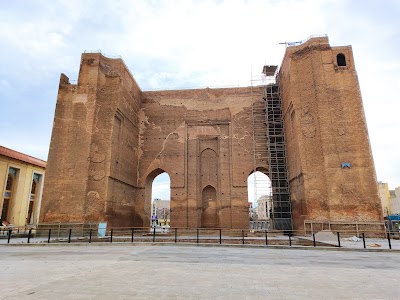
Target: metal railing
[(76, 234)]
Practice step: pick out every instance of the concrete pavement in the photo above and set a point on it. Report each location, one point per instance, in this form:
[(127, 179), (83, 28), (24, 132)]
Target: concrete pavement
[(194, 272)]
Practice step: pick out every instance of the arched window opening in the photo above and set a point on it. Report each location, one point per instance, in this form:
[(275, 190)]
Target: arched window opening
[(8, 194), (259, 200), (341, 60), (33, 197), (161, 201)]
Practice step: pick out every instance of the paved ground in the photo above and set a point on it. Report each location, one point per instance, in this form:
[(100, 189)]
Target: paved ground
[(194, 272)]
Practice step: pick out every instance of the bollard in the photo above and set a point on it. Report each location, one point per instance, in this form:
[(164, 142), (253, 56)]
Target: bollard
[(69, 235), (290, 239), (176, 234), (266, 238), (29, 235), (133, 232), (111, 234), (9, 236), (388, 237), (313, 236), (220, 236), (154, 234), (48, 237), (90, 235), (242, 237), (197, 237), (363, 235), (338, 239)]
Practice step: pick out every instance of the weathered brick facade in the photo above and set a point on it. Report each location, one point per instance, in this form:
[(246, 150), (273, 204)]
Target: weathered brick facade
[(110, 140)]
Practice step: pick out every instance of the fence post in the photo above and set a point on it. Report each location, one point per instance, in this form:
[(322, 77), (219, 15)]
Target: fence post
[(197, 236), (266, 238), (338, 239), (363, 236), (9, 235), (220, 236), (29, 235), (313, 236), (176, 234), (49, 236), (111, 235), (69, 235), (290, 239), (388, 237), (154, 234), (90, 235), (242, 237), (133, 232)]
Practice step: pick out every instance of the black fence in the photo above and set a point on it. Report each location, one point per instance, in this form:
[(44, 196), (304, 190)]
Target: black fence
[(348, 239)]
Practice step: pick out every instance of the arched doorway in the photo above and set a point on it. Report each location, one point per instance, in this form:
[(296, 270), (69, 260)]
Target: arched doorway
[(209, 216), (259, 188), (158, 198)]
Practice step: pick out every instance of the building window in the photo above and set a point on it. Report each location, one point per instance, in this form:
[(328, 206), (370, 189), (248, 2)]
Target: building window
[(34, 191), (341, 60), (8, 193)]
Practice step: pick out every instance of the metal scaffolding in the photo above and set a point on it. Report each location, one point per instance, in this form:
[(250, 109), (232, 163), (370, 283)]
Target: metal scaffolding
[(269, 151), (277, 170)]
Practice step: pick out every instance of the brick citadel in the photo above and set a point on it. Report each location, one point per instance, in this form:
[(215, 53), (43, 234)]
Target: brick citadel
[(306, 131)]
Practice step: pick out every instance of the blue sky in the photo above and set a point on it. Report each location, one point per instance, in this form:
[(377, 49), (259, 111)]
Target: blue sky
[(187, 44)]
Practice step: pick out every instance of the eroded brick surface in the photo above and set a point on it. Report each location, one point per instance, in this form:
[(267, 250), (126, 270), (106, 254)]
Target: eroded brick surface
[(110, 140)]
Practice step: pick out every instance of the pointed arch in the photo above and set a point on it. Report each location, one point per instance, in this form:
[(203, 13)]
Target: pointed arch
[(259, 187), (209, 216), (150, 209)]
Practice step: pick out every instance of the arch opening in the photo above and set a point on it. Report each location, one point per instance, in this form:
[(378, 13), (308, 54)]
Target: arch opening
[(259, 189), (158, 199)]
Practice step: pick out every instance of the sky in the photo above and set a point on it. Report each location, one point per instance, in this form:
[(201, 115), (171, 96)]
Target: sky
[(191, 44)]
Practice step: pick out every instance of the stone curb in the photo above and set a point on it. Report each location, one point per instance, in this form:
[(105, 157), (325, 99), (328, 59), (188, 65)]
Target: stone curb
[(202, 245)]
